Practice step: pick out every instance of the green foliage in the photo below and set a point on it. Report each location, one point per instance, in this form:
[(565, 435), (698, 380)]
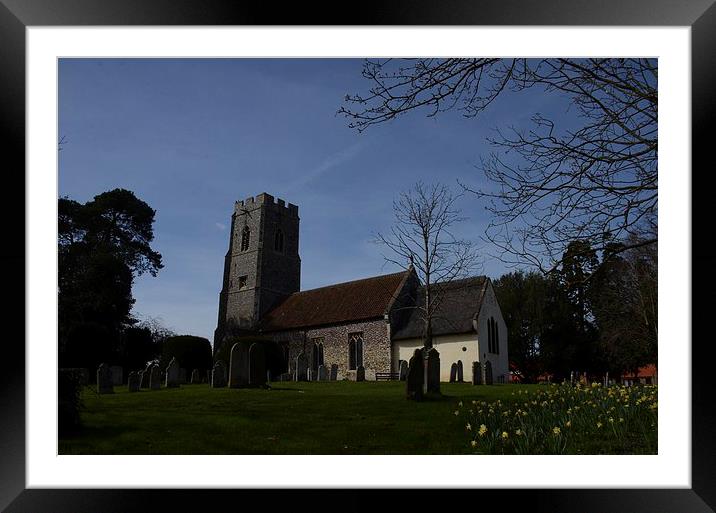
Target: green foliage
[(87, 345), (102, 245), (69, 398), (190, 352), (588, 316), (522, 298), (138, 347)]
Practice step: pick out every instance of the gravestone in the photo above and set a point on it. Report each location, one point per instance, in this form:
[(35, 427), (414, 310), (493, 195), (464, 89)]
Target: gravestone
[(182, 376), (309, 374), (218, 375), (460, 374), (476, 373), (432, 372), (322, 374), (403, 370), (414, 379), (195, 379), (360, 373), (155, 379), (239, 366), (334, 372), (301, 368), (257, 366), (104, 379), (172, 374), (144, 376), (117, 375), (453, 373), (488, 373), (133, 382)]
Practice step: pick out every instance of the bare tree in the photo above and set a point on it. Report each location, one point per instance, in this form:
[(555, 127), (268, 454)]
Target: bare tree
[(422, 239), (552, 186)]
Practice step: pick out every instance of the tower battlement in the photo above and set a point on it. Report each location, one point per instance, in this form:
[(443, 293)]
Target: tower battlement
[(265, 199)]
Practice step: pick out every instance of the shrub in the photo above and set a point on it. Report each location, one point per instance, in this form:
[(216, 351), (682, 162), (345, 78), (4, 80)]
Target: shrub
[(190, 352), (69, 388)]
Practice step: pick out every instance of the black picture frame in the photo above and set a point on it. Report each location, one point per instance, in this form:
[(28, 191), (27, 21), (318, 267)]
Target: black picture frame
[(17, 15)]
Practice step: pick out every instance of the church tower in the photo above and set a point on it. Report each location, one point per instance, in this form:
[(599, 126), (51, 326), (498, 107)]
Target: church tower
[(262, 266)]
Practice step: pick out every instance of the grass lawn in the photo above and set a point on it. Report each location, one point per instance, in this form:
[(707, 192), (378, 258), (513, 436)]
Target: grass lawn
[(291, 418)]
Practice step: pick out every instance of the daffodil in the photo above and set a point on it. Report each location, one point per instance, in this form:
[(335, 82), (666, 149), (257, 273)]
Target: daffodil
[(483, 429), (468, 427), (473, 443), (556, 430)]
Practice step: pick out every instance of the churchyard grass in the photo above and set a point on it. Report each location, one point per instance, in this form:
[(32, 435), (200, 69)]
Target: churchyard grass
[(299, 418)]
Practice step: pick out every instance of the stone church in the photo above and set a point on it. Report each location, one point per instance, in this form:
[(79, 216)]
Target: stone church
[(370, 322)]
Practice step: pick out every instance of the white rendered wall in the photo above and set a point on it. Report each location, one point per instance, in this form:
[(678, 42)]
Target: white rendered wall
[(450, 349)]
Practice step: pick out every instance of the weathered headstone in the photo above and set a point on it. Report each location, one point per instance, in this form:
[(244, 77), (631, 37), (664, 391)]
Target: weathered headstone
[(322, 374), (301, 368), (360, 373), (309, 374), (403, 370), (334, 372), (432, 372), (414, 379), (195, 378), (181, 377), (172, 374), (155, 378), (133, 382), (453, 373), (460, 374), (144, 376), (476, 373), (218, 375), (239, 365), (257, 365), (488, 373), (104, 379), (117, 375)]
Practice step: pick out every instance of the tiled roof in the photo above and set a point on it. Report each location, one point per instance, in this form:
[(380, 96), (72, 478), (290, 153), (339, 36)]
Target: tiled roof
[(344, 302), (461, 301)]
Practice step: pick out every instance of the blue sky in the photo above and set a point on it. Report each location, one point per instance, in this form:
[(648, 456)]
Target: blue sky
[(190, 137)]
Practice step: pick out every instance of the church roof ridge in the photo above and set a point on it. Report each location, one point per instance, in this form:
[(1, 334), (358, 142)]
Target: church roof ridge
[(350, 282)]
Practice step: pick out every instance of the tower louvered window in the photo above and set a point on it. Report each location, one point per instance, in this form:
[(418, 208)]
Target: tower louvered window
[(245, 238), (278, 241)]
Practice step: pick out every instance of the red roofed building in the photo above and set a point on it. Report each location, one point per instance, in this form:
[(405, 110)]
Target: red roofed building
[(370, 322), (646, 375)]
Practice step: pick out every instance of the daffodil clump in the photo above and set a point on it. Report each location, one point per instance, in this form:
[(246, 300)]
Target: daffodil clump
[(559, 419)]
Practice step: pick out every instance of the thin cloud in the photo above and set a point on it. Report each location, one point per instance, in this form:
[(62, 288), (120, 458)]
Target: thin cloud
[(220, 226), (328, 163)]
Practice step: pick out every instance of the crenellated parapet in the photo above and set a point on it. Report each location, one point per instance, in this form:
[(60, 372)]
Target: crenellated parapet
[(265, 199)]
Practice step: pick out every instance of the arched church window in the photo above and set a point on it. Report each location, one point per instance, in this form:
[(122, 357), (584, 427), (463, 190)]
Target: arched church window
[(245, 238), (278, 241), (489, 335), (351, 355), (355, 350)]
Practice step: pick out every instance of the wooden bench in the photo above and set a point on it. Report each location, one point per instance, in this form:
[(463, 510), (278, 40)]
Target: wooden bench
[(387, 376)]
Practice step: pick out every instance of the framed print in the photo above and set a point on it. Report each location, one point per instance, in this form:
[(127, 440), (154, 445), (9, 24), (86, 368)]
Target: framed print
[(137, 83)]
